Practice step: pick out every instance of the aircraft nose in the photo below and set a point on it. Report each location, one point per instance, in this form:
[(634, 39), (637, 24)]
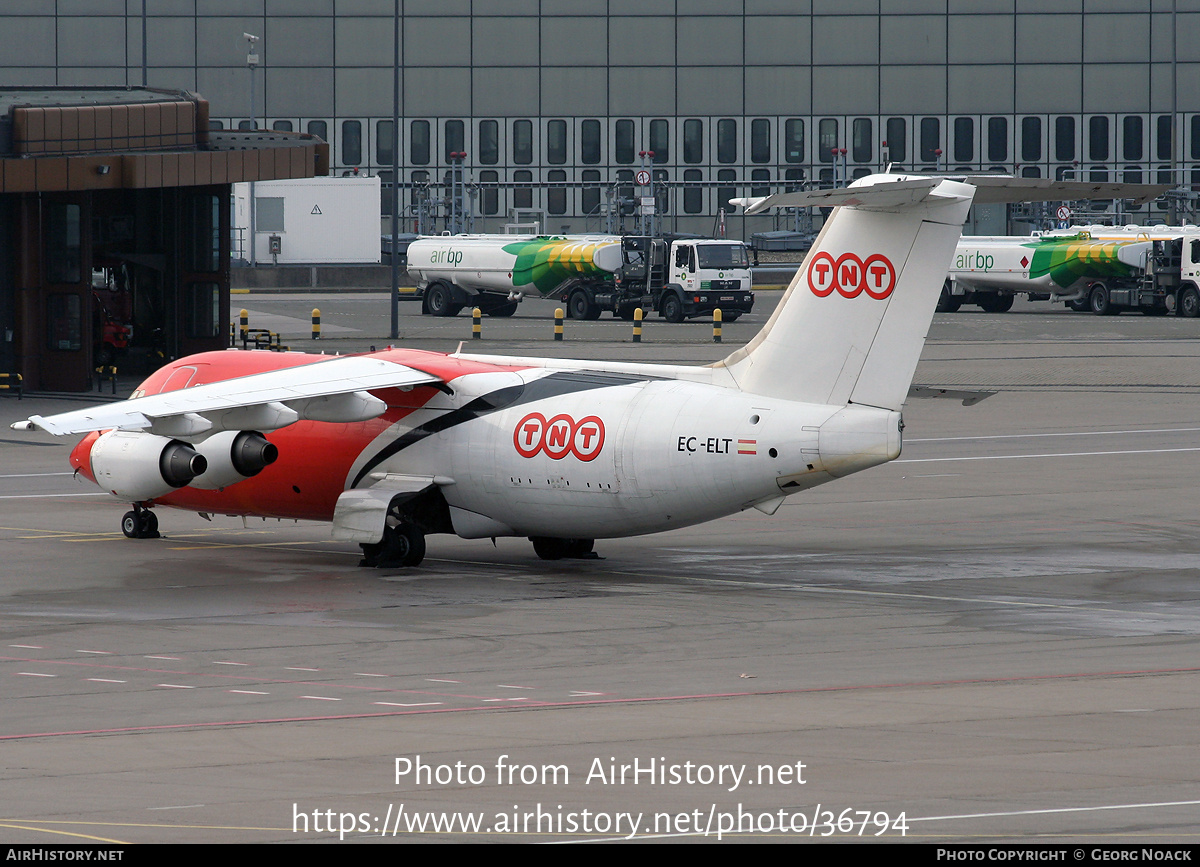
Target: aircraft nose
[(81, 456)]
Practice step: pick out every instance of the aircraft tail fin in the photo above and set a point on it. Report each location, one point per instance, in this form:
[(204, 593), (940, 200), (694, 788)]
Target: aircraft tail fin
[(851, 326)]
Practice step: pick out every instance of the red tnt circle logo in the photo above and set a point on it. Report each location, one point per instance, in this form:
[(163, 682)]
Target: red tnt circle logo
[(559, 437), (850, 275)]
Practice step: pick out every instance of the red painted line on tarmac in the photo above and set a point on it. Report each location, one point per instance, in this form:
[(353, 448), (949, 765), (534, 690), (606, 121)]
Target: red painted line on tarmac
[(533, 705)]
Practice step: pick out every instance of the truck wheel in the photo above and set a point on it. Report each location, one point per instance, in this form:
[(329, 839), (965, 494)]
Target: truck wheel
[(997, 302), (731, 317), (947, 302), (439, 301), (504, 310), (1080, 305), (672, 308), (1100, 303), (580, 306), (1189, 303)]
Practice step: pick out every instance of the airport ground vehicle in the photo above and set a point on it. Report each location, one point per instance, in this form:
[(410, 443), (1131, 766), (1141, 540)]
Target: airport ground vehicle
[(1125, 271), (395, 445), (679, 278)]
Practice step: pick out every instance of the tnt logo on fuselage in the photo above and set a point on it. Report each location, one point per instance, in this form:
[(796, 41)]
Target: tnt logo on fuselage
[(559, 436), (851, 276)]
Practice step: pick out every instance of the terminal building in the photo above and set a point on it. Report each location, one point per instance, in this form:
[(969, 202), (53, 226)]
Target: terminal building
[(553, 101)]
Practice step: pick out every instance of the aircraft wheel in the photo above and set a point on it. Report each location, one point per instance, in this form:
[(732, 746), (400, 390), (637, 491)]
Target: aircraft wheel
[(581, 307), (672, 308), (579, 548), (549, 549), (1189, 303), (439, 301), (403, 545), (1100, 303), (140, 524)]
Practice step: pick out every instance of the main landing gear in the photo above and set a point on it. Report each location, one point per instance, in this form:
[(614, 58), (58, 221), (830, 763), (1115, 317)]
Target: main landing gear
[(564, 549), (140, 523), (403, 544)]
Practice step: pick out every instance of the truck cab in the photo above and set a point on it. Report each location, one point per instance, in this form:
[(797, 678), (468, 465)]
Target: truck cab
[(706, 275)]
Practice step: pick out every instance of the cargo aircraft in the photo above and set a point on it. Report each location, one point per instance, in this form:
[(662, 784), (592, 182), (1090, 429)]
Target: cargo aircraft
[(396, 445)]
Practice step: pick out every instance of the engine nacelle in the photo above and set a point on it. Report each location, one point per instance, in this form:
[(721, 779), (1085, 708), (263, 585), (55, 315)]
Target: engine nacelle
[(233, 456), (138, 466)]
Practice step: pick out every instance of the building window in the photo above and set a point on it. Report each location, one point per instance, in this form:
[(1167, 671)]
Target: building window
[(204, 233), (693, 141), (590, 200), (623, 144), (418, 143), (727, 140), (318, 128), (1132, 175), (931, 139), (1131, 137), (489, 142), (862, 146), (997, 147), (383, 143), (660, 140), (63, 242), (793, 140), (964, 139), (489, 192), (64, 321), (693, 193), (760, 177), (456, 137), (827, 139), (282, 126), (556, 196), (522, 142), (897, 139), (589, 142), (760, 140), (661, 191), (556, 142), (1163, 138), (351, 142), (1031, 142), (794, 179), (523, 196), (725, 192), (1098, 138), (1064, 138), (203, 310)]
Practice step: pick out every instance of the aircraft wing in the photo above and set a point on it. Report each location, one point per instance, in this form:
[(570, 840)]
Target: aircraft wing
[(332, 390), (989, 189)]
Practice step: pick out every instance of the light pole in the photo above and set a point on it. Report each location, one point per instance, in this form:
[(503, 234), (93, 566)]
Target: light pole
[(251, 63)]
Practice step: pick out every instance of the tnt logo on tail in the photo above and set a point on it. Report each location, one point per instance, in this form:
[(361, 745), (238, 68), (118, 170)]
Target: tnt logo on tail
[(850, 276)]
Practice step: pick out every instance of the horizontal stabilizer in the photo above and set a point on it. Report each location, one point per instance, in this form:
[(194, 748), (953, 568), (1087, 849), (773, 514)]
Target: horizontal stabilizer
[(989, 189)]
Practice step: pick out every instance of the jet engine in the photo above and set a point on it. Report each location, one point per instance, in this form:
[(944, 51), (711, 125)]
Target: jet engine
[(138, 466), (233, 456)]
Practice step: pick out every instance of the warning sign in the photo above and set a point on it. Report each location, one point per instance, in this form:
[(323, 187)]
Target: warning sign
[(316, 210)]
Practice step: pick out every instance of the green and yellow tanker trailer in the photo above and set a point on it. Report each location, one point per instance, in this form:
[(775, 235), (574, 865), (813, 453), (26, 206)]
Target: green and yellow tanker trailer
[(1104, 276), (588, 274)]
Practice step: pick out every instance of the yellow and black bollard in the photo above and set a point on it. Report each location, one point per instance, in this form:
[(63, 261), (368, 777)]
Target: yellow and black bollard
[(244, 319), (476, 324), (558, 320), (717, 325), (316, 323), (637, 325)]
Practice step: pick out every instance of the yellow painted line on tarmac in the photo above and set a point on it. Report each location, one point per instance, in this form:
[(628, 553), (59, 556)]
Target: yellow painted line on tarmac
[(65, 833)]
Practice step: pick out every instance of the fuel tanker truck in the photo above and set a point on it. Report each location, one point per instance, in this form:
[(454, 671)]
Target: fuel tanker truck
[(678, 279), (1103, 275)]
